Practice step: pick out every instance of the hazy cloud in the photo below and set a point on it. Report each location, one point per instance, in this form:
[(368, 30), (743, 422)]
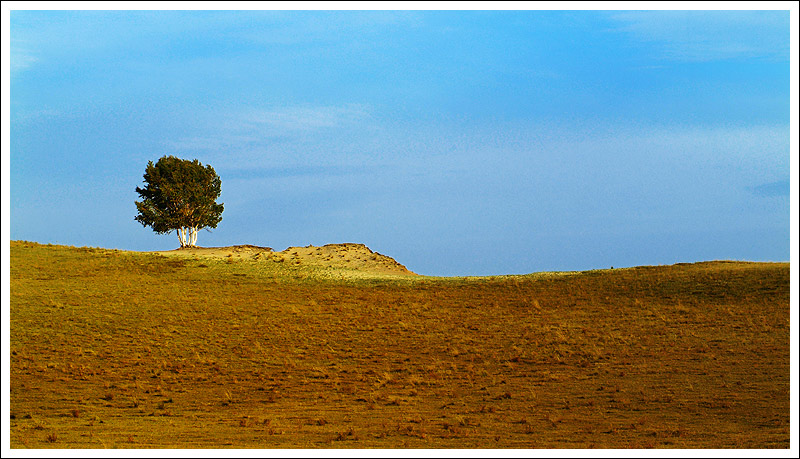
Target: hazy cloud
[(772, 189), (288, 136), (21, 60), (304, 118), (295, 171), (35, 115), (710, 35), (304, 27)]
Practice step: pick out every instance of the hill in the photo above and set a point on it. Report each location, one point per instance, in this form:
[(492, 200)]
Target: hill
[(113, 349), (347, 256)]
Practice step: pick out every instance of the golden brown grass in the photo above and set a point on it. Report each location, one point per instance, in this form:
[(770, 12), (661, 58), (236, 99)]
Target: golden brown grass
[(338, 260), (122, 350)]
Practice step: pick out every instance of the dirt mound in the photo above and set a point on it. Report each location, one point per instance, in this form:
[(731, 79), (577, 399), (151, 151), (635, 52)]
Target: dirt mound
[(337, 256), (347, 256)]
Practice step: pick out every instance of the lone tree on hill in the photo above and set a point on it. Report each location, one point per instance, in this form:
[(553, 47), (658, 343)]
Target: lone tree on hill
[(179, 195)]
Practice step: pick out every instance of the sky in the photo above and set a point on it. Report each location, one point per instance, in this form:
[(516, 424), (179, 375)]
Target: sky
[(457, 142)]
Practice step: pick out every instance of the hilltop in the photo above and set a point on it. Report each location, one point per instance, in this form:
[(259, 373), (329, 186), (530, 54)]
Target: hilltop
[(347, 256)]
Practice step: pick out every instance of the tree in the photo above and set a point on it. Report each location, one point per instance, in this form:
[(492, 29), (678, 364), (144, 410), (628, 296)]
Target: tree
[(179, 195)]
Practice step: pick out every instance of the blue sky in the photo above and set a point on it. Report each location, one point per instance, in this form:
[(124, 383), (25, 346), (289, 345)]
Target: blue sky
[(457, 142)]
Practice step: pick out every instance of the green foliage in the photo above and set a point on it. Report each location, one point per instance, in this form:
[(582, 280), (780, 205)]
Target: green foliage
[(179, 193)]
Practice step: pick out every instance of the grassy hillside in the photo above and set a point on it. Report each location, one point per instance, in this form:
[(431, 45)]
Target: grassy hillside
[(123, 350)]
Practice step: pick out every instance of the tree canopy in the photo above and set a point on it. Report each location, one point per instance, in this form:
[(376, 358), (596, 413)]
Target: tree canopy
[(179, 195)]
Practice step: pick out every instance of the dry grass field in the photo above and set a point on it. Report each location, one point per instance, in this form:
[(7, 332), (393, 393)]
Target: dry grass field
[(114, 349)]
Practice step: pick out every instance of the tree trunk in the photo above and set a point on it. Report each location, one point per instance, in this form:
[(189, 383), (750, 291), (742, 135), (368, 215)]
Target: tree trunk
[(187, 236), (192, 236), (182, 236)]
